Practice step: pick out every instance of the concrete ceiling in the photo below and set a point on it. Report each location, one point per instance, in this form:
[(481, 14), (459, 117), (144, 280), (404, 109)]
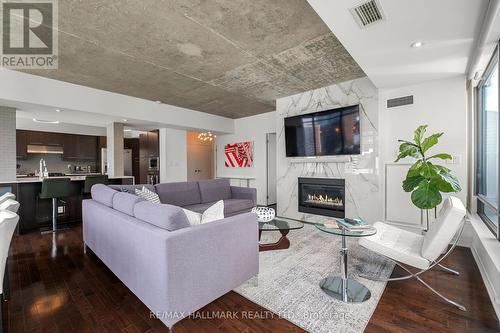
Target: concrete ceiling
[(229, 57)]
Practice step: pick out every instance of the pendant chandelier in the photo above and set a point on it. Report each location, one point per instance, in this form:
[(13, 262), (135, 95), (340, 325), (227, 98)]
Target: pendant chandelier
[(206, 136)]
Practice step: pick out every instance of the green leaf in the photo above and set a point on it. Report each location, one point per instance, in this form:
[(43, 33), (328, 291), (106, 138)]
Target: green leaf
[(407, 149), (426, 195), (414, 170), (428, 170), (441, 156), (430, 141), (446, 182), (410, 183), (419, 133), (441, 169)]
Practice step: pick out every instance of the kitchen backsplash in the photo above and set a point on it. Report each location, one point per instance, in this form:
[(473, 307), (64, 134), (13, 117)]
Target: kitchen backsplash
[(54, 164)]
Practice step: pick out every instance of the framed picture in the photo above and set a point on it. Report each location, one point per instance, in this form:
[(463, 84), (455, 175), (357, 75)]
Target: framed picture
[(239, 155)]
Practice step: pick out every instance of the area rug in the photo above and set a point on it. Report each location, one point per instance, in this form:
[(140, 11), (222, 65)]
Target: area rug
[(288, 281)]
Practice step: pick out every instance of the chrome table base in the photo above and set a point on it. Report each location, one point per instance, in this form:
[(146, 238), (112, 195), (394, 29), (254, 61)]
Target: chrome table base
[(347, 290), (343, 288)]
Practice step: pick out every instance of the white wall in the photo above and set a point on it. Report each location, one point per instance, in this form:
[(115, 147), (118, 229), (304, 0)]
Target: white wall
[(173, 155), (440, 104), (252, 129), (7, 144)]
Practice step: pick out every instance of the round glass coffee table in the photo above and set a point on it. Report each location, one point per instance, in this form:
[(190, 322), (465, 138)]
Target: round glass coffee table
[(283, 225), (342, 287)]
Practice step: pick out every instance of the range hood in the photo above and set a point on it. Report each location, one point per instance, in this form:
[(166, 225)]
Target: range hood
[(41, 149)]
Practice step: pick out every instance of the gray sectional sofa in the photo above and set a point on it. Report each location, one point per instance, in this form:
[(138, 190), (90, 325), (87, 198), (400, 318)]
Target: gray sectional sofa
[(172, 267), (199, 195)]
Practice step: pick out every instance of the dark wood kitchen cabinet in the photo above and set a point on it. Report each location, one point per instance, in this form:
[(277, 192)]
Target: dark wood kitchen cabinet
[(153, 146), (70, 147), (36, 138), (43, 138), (25, 138), (54, 139), (149, 148), (80, 147), (143, 158), (75, 147), (87, 147), (21, 145)]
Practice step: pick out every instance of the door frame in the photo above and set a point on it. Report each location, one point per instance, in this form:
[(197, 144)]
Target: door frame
[(267, 167)]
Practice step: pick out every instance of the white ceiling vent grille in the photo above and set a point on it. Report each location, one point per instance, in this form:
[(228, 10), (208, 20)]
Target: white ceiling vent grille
[(368, 13), (399, 101)]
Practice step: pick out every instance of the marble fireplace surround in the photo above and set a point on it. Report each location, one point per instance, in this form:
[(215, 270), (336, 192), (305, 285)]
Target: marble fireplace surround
[(361, 172)]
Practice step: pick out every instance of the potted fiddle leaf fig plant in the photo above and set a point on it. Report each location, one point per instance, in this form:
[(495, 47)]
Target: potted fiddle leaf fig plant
[(426, 180)]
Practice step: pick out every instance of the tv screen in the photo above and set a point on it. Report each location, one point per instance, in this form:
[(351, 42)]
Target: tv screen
[(331, 132)]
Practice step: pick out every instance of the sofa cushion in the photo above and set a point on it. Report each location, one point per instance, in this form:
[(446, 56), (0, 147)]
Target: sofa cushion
[(125, 202), (213, 213), (179, 194), (232, 206), (131, 188), (164, 216), (103, 194), (214, 190), (199, 208)]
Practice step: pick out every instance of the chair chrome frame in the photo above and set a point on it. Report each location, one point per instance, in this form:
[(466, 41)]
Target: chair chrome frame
[(434, 264)]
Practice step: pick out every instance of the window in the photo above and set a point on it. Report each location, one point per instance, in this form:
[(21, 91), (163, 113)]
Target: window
[(488, 146)]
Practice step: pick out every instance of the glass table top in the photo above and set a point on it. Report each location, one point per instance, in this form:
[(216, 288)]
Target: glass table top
[(344, 232), (280, 223)]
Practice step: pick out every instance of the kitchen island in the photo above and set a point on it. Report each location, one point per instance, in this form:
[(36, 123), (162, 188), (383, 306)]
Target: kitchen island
[(35, 214)]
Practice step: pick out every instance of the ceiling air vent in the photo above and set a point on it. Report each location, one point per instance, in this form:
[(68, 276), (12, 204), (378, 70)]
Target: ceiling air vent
[(400, 101), (368, 13)]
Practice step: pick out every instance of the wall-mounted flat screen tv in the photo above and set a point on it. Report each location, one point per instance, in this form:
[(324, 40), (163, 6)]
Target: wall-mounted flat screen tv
[(325, 133)]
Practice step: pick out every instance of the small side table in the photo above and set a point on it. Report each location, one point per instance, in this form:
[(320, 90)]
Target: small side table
[(342, 287)]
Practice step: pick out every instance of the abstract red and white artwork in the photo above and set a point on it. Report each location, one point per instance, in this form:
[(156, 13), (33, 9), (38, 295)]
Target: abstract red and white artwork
[(239, 155)]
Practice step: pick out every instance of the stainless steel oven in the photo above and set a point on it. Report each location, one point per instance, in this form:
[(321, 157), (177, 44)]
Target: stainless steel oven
[(153, 163)]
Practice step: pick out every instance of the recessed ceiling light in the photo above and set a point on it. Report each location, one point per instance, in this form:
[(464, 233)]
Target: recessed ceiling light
[(125, 120), (43, 121), (417, 44), (127, 130), (58, 110)]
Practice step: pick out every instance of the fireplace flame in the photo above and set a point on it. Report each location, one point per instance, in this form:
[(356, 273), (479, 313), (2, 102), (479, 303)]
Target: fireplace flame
[(324, 200)]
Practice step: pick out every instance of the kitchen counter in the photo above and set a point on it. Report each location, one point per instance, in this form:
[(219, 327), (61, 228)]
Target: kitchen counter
[(36, 213), (73, 177)]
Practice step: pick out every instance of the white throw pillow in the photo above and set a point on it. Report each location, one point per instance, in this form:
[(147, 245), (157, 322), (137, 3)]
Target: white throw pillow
[(148, 195), (213, 213)]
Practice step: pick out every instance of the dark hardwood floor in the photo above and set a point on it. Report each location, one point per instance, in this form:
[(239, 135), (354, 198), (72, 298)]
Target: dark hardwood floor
[(56, 288)]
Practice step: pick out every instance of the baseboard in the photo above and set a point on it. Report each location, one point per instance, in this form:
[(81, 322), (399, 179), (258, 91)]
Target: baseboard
[(487, 282)]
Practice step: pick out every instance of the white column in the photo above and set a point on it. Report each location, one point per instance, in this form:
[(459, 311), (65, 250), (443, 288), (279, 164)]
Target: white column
[(7, 144), (114, 134), (173, 155)]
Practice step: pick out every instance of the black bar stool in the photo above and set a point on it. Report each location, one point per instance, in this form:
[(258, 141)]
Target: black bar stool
[(91, 181), (55, 188)]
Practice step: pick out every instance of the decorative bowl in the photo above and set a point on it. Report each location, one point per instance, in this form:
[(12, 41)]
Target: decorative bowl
[(264, 214)]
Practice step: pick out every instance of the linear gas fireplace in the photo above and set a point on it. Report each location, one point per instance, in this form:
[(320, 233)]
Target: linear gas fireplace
[(322, 196)]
